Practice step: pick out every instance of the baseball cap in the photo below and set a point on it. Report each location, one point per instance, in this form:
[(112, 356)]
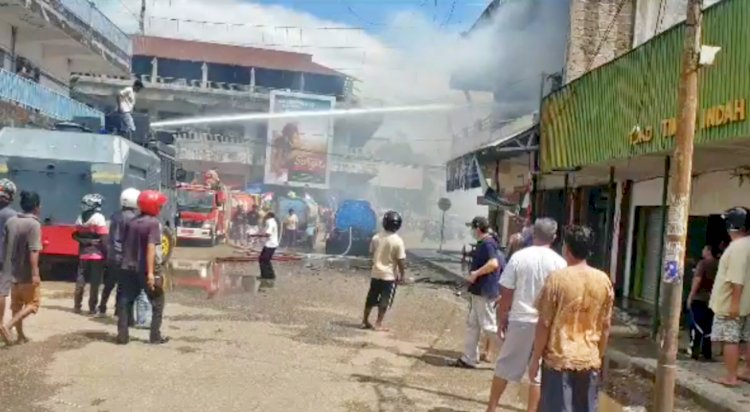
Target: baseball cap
[(479, 222)]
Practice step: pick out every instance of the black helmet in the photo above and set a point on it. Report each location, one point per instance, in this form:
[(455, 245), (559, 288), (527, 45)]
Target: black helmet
[(736, 219), (392, 221)]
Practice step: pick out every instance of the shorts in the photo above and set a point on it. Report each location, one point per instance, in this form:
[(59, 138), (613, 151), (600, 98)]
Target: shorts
[(25, 295), (381, 294), (515, 354), (569, 391), (6, 283), (731, 330)]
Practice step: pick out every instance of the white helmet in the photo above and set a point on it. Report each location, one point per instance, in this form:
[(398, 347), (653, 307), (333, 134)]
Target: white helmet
[(129, 198)]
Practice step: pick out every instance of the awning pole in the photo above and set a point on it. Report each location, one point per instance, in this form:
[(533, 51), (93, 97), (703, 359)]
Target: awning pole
[(566, 215), (664, 191), (609, 228)]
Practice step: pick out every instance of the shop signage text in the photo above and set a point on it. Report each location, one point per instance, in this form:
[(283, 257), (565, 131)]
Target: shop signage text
[(732, 112)]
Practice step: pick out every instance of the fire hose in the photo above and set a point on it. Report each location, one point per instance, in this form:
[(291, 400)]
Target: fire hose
[(349, 247)]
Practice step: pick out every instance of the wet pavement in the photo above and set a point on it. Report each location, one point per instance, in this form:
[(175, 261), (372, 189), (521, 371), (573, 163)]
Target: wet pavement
[(253, 346)]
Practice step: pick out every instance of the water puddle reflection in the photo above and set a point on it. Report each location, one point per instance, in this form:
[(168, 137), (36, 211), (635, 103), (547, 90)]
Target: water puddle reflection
[(216, 277)]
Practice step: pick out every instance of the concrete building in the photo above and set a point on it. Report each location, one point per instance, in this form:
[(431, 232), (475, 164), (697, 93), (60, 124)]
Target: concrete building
[(41, 44), (189, 78), (614, 128)]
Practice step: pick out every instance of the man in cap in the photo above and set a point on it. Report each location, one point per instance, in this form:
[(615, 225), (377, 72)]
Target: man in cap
[(484, 289)]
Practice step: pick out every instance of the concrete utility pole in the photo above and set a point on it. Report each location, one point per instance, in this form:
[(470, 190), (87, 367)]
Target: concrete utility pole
[(142, 18), (679, 203)]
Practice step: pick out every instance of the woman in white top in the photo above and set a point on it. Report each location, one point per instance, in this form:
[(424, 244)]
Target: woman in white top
[(271, 233)]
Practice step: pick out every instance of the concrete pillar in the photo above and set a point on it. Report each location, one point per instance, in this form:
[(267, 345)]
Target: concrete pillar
[(252, 80), (302, 82), (204, 74), (154, 69)]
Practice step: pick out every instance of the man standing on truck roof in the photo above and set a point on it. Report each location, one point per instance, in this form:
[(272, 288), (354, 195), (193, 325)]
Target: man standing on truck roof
[(388, 269), (91, 233), (7, 192), (126, 104), (22, 246)]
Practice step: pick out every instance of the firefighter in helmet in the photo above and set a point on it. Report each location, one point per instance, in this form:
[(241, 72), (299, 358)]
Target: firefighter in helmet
[(140, 266)]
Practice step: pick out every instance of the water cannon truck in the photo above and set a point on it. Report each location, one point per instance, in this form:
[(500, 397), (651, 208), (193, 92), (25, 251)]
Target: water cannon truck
[(63, 165), (355, 224)]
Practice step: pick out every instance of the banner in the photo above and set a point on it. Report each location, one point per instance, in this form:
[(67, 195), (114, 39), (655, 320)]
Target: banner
[(297, 152)]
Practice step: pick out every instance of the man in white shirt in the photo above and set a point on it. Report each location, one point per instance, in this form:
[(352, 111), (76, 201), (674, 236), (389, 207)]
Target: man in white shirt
[(520, 285), (271, 233), (125, 105), (290, 228)]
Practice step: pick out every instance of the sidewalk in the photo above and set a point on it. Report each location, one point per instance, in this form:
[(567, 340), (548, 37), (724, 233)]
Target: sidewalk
[(629, 349)]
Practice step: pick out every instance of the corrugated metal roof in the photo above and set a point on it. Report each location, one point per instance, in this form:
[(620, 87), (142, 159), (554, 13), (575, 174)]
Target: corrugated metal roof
[(228, 54)]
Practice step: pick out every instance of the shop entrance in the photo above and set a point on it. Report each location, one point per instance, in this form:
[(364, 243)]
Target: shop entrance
[(702, 230)]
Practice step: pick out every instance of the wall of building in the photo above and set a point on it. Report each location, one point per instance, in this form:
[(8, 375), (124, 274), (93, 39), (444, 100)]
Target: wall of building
[(712, 193), (654, 16), (599, 32), (54, 70)]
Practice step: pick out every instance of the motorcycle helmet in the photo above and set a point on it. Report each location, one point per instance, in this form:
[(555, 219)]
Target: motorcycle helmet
[(7, 190), (129, 198), (150, 202), (92, 201), (392, 221), (736, 219)]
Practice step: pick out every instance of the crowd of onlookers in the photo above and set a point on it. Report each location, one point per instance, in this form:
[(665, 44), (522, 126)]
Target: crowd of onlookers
[(548, 316), (124, 253)]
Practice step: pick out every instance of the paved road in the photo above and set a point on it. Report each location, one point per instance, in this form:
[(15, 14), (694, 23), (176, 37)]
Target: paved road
[(292, 346)]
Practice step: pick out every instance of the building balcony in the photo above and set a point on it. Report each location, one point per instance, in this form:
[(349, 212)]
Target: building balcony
[(73, 30), (33, 96)]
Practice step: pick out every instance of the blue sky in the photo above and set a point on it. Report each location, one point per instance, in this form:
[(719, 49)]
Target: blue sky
[(454, 15)]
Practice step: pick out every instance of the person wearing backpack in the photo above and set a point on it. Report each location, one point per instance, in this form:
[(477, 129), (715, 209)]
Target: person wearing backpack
[(484, 289)]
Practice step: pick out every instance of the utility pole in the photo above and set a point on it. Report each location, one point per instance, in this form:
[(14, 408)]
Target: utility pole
[(679, 203), (142, 18)]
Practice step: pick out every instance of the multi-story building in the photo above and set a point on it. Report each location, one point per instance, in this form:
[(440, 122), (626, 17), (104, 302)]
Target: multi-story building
[(41, 44), (185, 78)]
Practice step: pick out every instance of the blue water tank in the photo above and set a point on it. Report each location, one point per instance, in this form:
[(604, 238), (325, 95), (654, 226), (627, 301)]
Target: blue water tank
[(358, 215)]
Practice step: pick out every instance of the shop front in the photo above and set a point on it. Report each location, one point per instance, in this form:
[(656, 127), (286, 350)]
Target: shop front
[(615, 126), (501, 170)]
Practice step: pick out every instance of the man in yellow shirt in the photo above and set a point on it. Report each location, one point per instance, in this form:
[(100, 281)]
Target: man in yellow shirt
[(730, 297)]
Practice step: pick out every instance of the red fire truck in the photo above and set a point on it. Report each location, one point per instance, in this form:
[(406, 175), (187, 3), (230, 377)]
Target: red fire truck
[(204, 212)]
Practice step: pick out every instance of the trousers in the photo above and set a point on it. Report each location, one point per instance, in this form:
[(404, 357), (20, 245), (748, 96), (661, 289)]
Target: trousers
[(264, 260), (111, 274), (91, 272), (702, 318), (482, 321), (131, 285)]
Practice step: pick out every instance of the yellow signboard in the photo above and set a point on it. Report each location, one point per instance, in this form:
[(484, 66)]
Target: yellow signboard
[(716, 116)]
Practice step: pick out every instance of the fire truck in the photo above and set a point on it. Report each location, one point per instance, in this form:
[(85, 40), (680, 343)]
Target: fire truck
[(63, 165), (204, 212)]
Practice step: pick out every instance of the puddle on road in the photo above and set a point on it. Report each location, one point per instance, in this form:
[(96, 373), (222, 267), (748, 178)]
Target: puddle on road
[(216, 277)]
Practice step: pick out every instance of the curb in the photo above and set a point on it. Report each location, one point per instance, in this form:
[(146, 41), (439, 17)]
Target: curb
[(714, 397), (436, 266)]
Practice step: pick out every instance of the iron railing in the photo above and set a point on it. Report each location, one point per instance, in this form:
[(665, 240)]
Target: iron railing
[(90, 15), (48, 102)]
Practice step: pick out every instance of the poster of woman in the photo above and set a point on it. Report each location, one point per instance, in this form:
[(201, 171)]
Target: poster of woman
[(298, 148)]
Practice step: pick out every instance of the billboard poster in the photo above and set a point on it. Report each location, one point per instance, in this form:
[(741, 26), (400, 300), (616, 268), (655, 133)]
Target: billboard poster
[(297, 148)]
